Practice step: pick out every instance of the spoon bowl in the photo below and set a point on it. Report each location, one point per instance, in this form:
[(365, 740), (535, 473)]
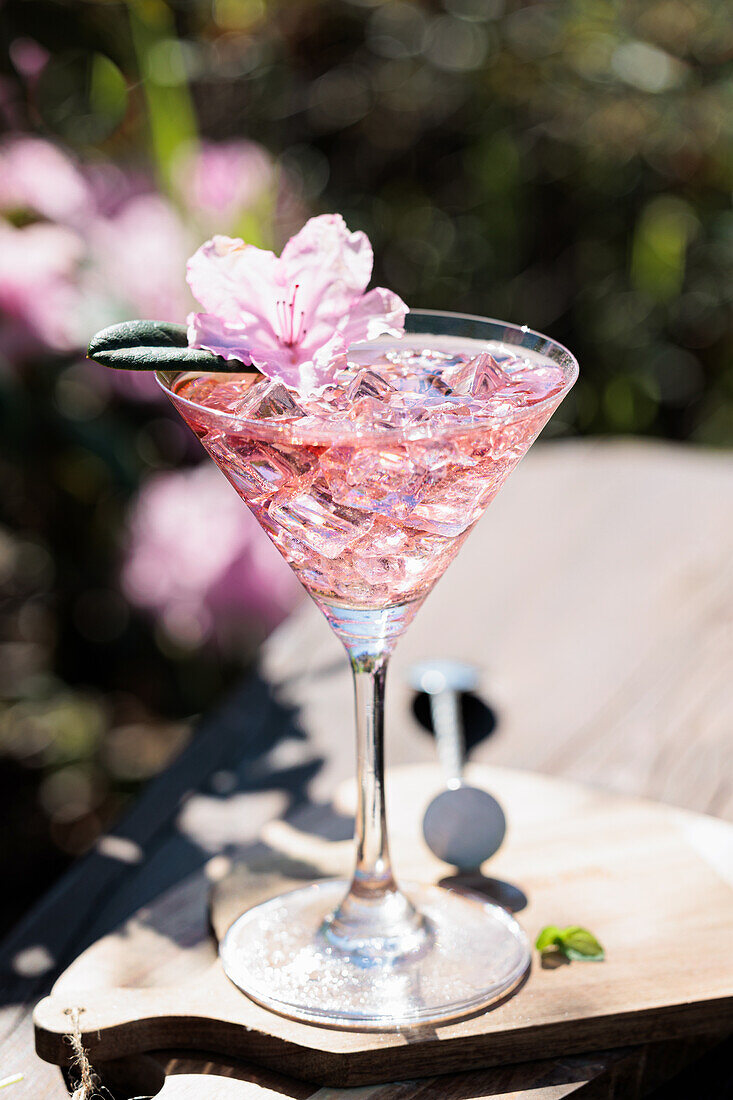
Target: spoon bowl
[(464, 826)]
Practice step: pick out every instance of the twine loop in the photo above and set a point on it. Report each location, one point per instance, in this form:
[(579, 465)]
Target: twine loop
[(88, 1082)]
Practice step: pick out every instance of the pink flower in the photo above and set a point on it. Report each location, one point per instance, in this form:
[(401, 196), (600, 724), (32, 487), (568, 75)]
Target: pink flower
[(109, 248), (199, 561), (220, 180), (137, 255), (294, 316), (39, 298), (135, 258), (37, 176), (29, 57), (112, 186)]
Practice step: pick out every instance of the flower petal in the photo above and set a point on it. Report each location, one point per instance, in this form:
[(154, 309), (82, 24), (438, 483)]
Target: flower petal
[(324, 267), (235, 281), (224, 338), (220, 179), (325, 247), (378, 313), (301, 370), (328, 360)]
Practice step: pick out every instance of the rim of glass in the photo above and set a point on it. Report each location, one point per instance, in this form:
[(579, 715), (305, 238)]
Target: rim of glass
[(441, 323)]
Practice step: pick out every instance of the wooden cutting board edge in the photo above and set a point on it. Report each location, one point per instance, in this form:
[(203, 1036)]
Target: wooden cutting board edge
[(300, 1053)]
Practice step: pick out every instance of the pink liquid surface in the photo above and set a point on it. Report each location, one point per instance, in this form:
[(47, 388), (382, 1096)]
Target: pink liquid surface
[(369, 490)]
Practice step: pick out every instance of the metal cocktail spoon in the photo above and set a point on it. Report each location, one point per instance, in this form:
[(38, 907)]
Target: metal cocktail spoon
[(463, 825)]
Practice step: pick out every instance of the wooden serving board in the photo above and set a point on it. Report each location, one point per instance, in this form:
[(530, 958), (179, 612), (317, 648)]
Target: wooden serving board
[(652, 882)]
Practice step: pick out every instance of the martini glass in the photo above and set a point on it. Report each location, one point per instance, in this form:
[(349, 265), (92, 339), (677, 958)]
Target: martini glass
[(369, 505)]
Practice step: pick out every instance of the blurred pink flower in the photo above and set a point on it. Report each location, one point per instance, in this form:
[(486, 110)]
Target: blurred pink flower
[(112, 186), (292, 316), (135, 258), (29, 57), (116, 248), (198, 560), (107, 247), (139, 254), (39, 297), (220, 180), (38, 177)]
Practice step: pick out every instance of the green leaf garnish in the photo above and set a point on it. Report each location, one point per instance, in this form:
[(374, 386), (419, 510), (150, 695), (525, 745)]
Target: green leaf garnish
[(579, 943), (154, 345), (548, 937), (573, 942)]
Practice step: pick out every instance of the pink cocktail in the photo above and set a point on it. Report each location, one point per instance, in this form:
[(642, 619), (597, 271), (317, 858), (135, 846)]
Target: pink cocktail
[(368, 489)]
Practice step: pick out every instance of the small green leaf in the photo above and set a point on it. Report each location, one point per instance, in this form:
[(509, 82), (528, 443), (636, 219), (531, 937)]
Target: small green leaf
[(579, 943), (548, 937), (574, 942), (154, 345)]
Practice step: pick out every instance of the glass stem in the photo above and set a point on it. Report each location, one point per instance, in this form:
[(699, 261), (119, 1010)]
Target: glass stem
[(375, 918), (373, 873)]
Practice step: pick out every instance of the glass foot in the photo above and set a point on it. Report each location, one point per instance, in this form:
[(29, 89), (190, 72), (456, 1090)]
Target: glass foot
[(278, 953)]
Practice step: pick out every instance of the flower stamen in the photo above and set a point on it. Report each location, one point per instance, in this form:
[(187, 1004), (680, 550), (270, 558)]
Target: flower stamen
[(286, 320)]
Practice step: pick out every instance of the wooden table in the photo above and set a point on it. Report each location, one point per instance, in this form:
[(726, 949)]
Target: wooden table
[(597, 598)]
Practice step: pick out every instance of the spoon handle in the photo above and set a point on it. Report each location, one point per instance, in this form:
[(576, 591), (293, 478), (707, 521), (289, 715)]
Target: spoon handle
[(445, 713)]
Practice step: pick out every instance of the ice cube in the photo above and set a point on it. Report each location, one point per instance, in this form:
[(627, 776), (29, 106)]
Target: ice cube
[(422, 384), (459, 375), (221, 392), (269, 400), (369, 414), (404, 559), (391, 465), (436, 453), (488, 377), (533, 383), (384, 539), (367, 383), (333, 397), (453, 404), (379, 556), (365, 356), (386, 481), (330, 400), (416, 360), (440, 414), (294, 552), (449, 506), (258, 470), (435, 385), (319, 521), (386, 570)]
